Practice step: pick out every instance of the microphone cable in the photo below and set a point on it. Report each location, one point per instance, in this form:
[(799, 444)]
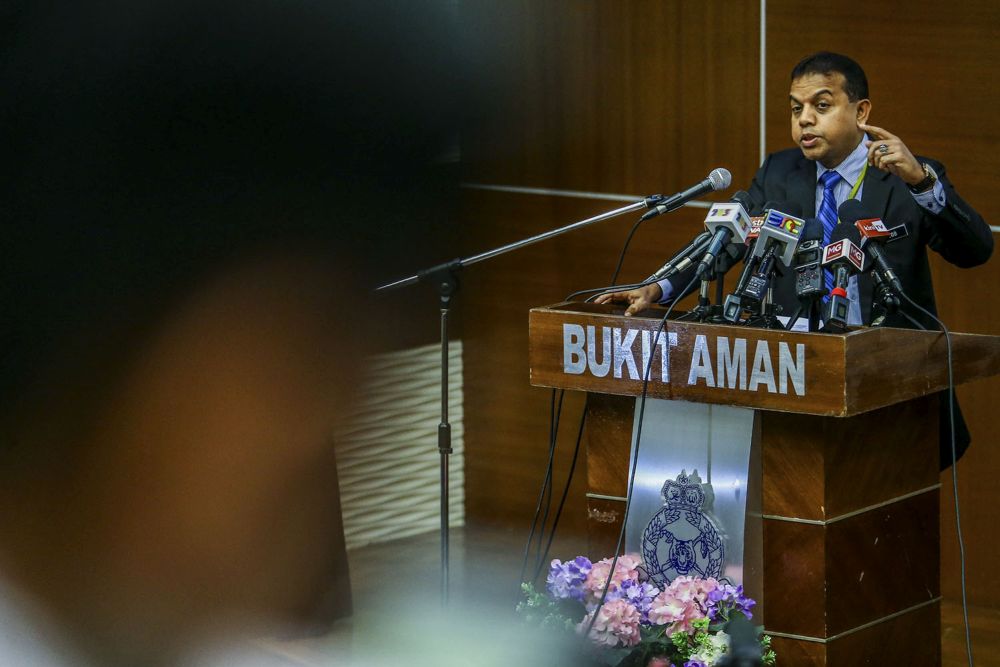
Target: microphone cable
[(554, 420), (562, 501), (554, 411), (635, 458), (954, 471), (621, 255)]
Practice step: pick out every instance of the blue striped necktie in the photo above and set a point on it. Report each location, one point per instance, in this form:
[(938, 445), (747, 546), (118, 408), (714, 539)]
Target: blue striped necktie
[(828, 216)]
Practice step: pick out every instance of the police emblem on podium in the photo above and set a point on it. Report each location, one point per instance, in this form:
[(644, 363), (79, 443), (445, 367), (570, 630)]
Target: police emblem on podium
[(683, 538)]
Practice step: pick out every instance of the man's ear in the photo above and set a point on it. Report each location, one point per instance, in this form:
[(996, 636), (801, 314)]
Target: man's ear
[(864, 110)]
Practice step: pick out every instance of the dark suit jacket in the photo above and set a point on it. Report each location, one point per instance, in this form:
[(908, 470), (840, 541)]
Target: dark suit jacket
[(958, 234)]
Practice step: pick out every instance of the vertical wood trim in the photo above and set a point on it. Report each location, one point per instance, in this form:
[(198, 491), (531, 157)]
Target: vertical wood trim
[(762, 85)]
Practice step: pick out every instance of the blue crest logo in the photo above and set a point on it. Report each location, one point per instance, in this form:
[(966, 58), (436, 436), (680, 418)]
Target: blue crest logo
[(682, 538)]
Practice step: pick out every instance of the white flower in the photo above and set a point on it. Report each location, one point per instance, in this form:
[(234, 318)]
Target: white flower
[(717, 645), (719, 642)]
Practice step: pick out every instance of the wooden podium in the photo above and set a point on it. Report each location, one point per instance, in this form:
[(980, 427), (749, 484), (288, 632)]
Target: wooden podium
[(844, 468)]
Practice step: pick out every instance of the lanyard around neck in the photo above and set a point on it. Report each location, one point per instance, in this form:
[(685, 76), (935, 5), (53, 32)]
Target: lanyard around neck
[(857, 183), (857, 186)]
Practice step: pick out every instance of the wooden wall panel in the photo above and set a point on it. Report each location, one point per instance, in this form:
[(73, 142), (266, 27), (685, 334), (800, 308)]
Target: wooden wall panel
[(603, 96), (930, 74), (623, 97)]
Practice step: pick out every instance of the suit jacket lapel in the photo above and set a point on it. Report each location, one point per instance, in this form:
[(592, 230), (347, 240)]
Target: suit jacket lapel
[(801, 186), (875, 191)]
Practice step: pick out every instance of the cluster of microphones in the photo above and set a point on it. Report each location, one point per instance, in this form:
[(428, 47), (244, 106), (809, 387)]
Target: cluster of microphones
[(775, 240)]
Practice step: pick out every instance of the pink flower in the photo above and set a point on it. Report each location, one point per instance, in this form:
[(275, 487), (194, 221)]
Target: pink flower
[(626, 568), (617, 624), (684, 601)]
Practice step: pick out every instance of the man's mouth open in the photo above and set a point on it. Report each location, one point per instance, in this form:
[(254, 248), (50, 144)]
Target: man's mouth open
[(809, 140)]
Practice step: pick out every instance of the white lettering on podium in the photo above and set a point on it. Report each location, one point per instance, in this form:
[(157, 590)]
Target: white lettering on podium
[(730, 370), (664, 341), (623, 352), (763, 371), (582, 351), (599, 369), (665, 354), (701, 362), (574, 357), (789, 370), (732, 366)]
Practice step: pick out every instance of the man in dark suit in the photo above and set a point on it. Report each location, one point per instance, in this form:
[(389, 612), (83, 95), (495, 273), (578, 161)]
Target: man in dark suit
[(840, 156)]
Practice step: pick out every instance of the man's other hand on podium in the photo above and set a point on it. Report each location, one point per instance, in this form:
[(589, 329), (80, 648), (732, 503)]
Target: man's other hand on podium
[(638, 299)]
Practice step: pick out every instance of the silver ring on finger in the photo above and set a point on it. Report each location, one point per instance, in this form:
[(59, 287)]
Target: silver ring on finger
[(883, 149)]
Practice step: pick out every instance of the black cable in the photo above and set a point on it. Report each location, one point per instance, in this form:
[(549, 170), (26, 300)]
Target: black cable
[(554, 427), (954, 472), (553, 440), (541, 492), (621, 255), (597, 291), (635, 458), (915, 322), (562, 501), (583, 418)]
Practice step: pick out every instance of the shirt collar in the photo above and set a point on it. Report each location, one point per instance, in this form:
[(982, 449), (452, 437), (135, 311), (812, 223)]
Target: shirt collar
[(850, 168)]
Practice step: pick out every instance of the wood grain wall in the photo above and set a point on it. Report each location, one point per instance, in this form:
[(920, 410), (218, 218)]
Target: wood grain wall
[(643, 97)]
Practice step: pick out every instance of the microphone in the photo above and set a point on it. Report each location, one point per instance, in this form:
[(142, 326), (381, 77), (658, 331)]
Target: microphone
[(725, 221), (845, 258), (874, 234), (733, 306), (808, 258), (778, 238), (756, 223), (780, 232), (683, 258), (719, 179)]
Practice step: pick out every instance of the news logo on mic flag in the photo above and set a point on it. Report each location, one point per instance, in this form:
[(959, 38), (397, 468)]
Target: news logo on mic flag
[(872, 229), (785, 222), (756, 222), (780, 234), (843, 251), (731, 216)]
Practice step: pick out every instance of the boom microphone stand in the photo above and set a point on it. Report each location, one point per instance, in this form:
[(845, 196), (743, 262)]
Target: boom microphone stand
[(445, 278)]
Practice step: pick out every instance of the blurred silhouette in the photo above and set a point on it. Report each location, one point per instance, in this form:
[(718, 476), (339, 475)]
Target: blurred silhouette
[(193, 198)]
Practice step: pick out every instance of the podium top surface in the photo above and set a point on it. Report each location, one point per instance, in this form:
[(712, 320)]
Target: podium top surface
[(592, 347)]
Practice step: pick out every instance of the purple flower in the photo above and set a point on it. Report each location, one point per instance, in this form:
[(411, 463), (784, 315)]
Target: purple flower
[(639, 595), (565, 580), (727, 598), (695, 663)]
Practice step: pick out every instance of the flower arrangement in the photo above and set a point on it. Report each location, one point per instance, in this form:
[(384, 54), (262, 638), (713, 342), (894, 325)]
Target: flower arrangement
[(640, 625)]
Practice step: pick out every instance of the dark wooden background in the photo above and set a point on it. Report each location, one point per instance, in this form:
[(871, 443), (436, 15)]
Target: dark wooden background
[(642, 97)]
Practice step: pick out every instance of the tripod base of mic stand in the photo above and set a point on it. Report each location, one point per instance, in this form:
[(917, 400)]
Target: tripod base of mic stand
[(711, 314), (768, 319)]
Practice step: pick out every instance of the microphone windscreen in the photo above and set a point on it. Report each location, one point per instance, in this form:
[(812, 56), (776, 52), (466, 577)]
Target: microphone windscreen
[(851, 211), (847, 231), (721, 178), (742, 197), (812, 230)]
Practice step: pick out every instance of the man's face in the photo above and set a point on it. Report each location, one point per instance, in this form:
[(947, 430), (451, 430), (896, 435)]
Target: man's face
[(824, 120)]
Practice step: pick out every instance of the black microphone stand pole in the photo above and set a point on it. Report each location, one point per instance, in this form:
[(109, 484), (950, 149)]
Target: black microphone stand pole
[(445, 279)]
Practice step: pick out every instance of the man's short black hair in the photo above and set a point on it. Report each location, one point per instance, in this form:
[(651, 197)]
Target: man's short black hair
[(825, 62)]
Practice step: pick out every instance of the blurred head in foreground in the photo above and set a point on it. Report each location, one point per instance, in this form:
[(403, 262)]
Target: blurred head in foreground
[(189, 200)]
